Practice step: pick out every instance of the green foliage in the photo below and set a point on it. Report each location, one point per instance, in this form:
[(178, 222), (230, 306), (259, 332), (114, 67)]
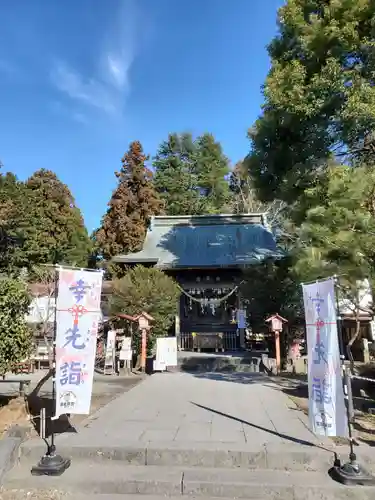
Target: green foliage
[(149, 290), (319, 95), (273, 287), (175, 176), (15, 336), (131, 206), (338, 234), (12, 205), (212, 167), (42, 222), (190, 175)]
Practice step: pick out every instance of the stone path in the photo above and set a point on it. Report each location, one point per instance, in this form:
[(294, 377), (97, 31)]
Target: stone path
[(242, 409), (234, 435)]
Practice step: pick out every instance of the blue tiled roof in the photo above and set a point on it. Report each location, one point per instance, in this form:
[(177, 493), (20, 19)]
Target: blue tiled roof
[(205, 241)]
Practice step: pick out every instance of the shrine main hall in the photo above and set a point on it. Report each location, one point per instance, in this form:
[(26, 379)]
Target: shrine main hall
[(207, 256)]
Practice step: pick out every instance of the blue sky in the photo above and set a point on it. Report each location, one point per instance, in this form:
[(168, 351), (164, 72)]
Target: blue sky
[(79, 80)]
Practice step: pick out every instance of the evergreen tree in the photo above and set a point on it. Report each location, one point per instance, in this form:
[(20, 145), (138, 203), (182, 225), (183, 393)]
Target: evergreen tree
[(273, 287), (12, 206), (191, 175), (338, 236), (130, 208), (41, 223), (319, 95), (338, 233), (15, 336), (212, 169), (54, 228), (175, 176), (150, 290)]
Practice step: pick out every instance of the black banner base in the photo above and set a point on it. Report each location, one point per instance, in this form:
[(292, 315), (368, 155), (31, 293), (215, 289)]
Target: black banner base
[(351, 475), (51, 465)]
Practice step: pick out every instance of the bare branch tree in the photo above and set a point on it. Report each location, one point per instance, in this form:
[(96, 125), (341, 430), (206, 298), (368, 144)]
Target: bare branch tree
[(43, 305), (246, 201), (353, 298)]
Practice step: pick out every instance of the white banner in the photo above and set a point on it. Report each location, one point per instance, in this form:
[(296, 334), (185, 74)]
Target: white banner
[(126, 353), (327, 413), (78, 315), (166, 353), (110, 353)]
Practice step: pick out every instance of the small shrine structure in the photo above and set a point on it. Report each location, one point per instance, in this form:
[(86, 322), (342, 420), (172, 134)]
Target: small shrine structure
[(207, 255)]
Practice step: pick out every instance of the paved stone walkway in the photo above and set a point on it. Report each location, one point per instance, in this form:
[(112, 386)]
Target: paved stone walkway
[(247, 410)]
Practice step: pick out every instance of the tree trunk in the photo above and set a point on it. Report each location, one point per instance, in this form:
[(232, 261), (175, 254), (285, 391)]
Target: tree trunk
[(352, 340), (138, 363), (49, 350)]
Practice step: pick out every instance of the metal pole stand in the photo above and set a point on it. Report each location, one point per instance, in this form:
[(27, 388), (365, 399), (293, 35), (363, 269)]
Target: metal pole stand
[(50, 464), (350, 473)]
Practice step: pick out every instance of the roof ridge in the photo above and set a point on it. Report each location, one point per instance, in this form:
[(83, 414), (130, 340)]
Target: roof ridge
[(212, 219)]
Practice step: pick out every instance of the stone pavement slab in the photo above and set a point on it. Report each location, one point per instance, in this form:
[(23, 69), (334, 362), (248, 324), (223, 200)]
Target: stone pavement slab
[(192, 408), (200, 482)]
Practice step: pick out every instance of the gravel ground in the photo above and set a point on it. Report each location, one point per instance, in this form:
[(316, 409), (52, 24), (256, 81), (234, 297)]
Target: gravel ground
[(14, 410), (33, 495)]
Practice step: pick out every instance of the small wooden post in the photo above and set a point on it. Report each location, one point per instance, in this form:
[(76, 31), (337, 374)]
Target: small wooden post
[(144, 326), (143, 350), (276, 326)]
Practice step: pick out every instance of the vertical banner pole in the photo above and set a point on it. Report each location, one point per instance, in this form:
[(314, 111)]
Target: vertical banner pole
[(51, 464), (42, 429), (52, 447), (350, 473)]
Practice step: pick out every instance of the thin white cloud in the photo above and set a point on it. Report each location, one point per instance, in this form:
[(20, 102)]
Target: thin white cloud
[(118, 71), (90, 91), (120, 45), (109, 86)]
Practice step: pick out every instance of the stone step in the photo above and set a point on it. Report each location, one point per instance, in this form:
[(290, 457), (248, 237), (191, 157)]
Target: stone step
[(200, 454), (12, 494), (219, 363), (114, 479)]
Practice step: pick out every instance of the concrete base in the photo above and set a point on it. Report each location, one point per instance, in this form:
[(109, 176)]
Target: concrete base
[(352, 476), (176, 481), (51, 465)]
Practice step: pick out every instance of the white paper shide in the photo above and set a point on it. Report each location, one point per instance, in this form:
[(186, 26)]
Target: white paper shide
[(327, 413), (78, 314)]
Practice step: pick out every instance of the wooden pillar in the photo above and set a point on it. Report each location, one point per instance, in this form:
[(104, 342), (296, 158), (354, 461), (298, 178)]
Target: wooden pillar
[(278, 356), (143, 350), (177, 326), (241, 330)]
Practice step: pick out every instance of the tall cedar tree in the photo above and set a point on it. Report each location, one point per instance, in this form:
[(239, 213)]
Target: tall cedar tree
[(212, 169), (319, 95), (133, 203), (190, 175), (43, 223), (175, 176)]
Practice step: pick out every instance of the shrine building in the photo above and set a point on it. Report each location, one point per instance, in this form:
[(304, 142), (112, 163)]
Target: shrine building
[(207, 255)]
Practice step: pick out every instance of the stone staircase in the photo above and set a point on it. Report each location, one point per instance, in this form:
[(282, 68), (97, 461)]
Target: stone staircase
[(242, 362), (290, 472)]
